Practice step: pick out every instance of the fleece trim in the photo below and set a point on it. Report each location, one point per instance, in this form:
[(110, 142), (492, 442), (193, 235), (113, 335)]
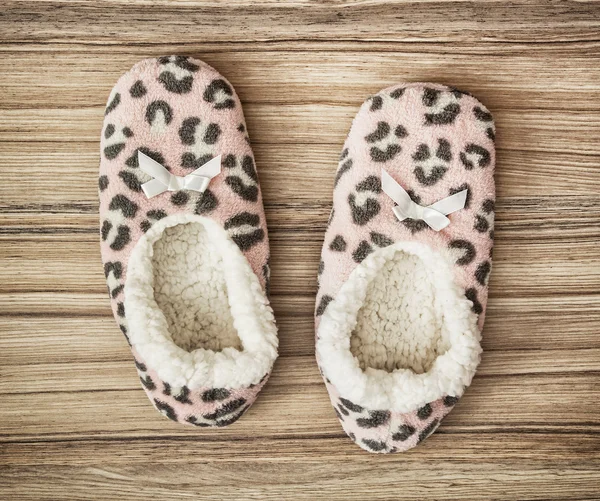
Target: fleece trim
[(401, 390), (252, 317)]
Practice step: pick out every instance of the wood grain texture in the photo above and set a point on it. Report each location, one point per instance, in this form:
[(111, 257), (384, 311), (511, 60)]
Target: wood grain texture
[(74, 423)]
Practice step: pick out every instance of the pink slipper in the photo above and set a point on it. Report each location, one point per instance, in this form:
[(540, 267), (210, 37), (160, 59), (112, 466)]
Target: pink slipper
[(405, 263), (184, 240)]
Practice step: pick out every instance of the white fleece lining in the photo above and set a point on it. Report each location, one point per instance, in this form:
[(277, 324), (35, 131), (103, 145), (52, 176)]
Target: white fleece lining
[(196, 305), (402, 330), (402, 389), (248, 306)]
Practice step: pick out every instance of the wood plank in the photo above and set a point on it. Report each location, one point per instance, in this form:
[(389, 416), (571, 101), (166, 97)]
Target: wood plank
[(527, 21), (282, 170), (481, 48), (535, 448), (20, 378), (49, 322), (557, 479), (527, 264), (493, 404), (533, 130), (75, 80), (274, 479)]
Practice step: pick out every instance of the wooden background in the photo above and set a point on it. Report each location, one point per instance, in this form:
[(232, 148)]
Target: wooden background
[(74, 423)]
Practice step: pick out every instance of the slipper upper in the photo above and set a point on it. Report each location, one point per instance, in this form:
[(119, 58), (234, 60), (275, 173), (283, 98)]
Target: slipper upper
[(433, 141), (181, 113)]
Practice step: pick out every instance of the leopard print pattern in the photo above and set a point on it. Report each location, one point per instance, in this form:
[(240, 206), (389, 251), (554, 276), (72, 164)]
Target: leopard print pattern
[(435, 141), (180, 112)]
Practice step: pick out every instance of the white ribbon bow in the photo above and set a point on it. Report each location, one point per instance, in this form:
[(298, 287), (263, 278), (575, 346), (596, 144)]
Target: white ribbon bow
[(164, 180), (434, 215)]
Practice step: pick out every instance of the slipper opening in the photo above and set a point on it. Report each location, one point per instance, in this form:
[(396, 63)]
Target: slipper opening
[(191, 291), (401, 322), (196, 311), (400, 333)]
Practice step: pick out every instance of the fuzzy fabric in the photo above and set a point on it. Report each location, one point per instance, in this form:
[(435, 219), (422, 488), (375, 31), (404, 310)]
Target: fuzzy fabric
[(187, 272), (400, 306)]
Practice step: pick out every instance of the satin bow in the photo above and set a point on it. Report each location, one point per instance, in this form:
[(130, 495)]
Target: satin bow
[(434, 215), (197, 180)]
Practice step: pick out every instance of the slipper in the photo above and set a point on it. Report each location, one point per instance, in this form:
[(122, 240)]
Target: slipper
[(184, 240), (405, 263)]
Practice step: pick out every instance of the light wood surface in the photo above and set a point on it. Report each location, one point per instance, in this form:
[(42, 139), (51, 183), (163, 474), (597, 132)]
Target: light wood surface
[(74, 423)]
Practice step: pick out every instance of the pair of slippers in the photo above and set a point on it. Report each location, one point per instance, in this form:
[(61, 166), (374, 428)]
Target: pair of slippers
[(404, 269)]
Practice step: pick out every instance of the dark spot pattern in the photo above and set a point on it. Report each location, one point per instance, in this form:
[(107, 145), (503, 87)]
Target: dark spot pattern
[(246, 190), (468, 251), (159, 106), (207, 202), (219, 93), (225, 409), (404, 433), (165, 409), (130, 180), (338, 244), (180, 198), (447, 116), (375, 419), (102, 183), (430, 96), (482, 272), (343, 410), (111, 152), (132, 161), (374, 445), (471, 295), (248, 238), (148, 383), (109, 130), (183, 396), (325, 300), (488, 206), (397, 93), (362, 214), (376, 103), (124, 205), (350, 405), (481, 224), (362, 251), (345, 167), (113, 104), (194, 420), (380, 133), (170, 81), (430, 173), (215, 395), (450, 401), (122, 239), (428, 430), (400, 131), (424, 412), (380, 240), (138, 89), (379, 155), (483, 156)]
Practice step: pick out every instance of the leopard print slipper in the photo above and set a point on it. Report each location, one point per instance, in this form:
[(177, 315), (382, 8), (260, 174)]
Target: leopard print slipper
[(405, 263), (184, 240)]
